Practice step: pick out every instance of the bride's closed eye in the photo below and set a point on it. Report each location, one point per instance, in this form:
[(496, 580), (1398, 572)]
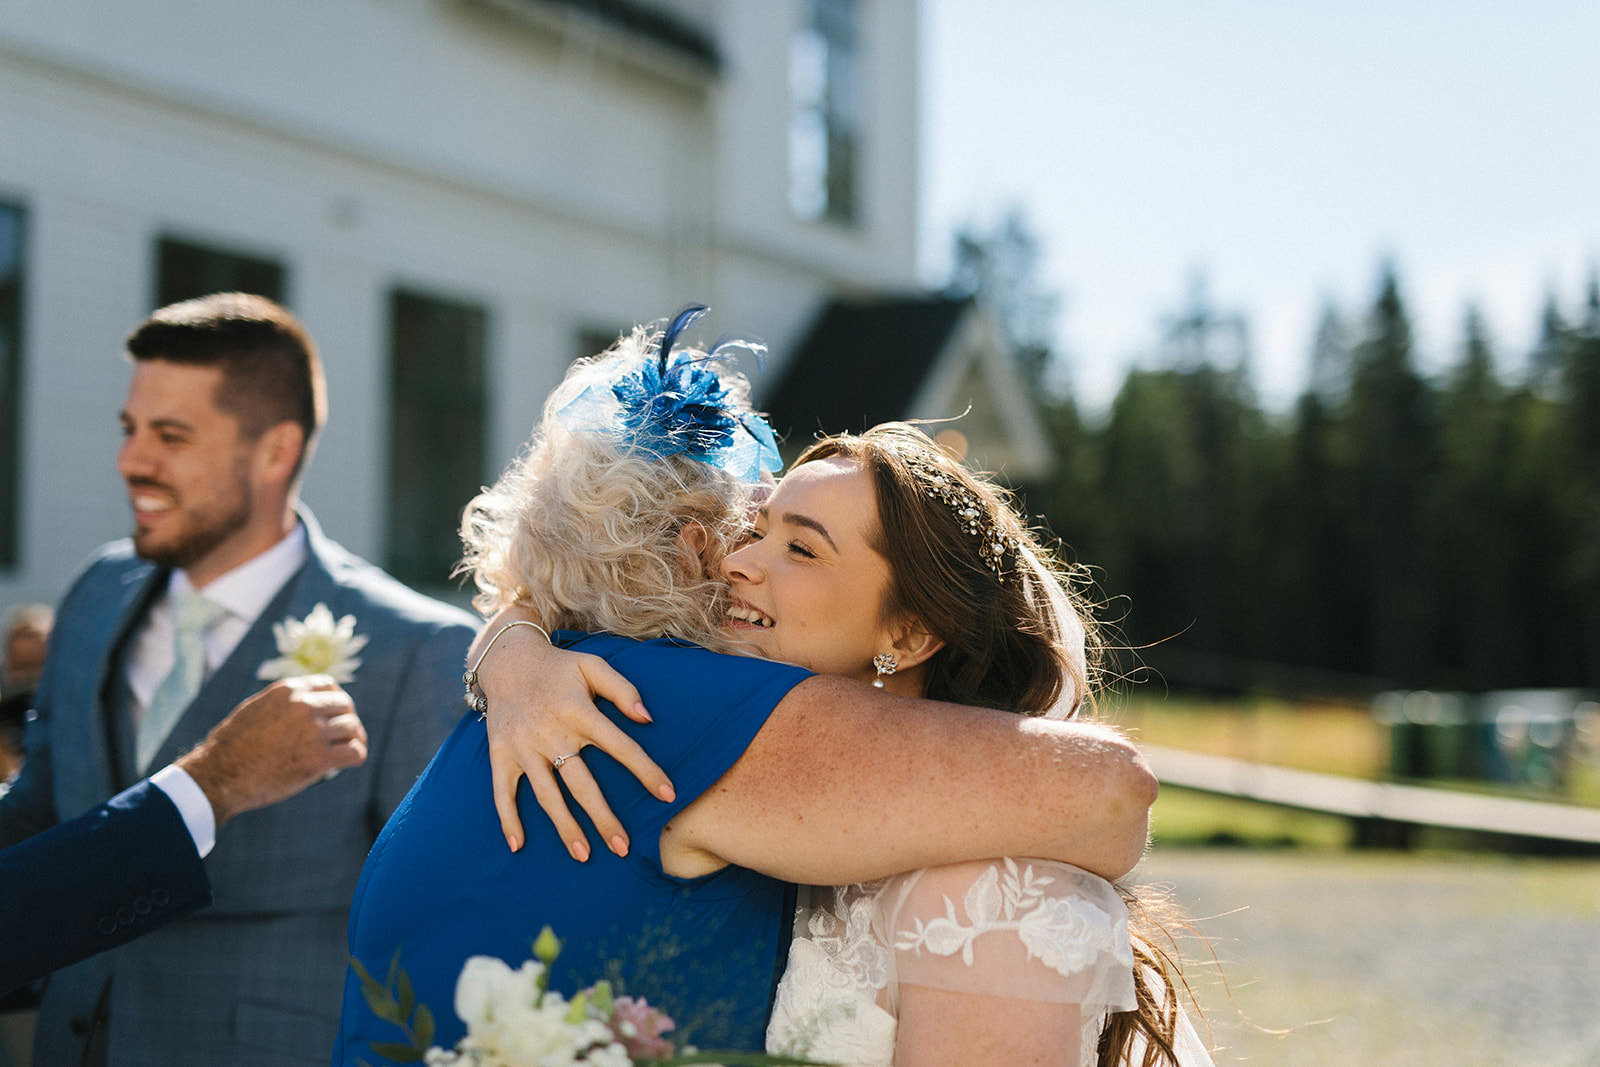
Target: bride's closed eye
[(798, 548)]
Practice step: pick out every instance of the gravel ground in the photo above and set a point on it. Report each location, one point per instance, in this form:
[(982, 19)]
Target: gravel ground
[(1382, 960)]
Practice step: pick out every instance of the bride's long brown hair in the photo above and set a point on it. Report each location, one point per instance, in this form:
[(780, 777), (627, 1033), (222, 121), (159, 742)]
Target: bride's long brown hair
[(1018, 635)]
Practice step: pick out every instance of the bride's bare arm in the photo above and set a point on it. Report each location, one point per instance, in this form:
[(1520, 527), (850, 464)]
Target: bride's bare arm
[(938, 1027), (843, 783), (1026, 984), (846, 783)]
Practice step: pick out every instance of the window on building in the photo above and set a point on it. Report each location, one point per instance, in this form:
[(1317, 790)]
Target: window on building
[(13, 226), (185, 270), (437, 424), (824, 128)]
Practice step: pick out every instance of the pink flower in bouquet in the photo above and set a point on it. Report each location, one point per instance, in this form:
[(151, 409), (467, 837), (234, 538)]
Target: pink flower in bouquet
[(639, 1027)]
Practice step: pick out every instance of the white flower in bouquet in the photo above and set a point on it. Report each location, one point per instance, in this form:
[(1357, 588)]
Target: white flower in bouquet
[(511, 1022), (487, 984), (315, 645), (514, 1020)]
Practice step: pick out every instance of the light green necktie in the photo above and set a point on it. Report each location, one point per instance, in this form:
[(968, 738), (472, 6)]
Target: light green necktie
[(194, 616)]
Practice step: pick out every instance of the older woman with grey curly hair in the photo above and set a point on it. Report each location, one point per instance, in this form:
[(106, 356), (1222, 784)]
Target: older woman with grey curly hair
[(595, 527), (605, 535)]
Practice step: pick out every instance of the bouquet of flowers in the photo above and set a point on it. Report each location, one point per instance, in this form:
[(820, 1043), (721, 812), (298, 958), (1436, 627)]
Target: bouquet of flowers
[(514, 1020)]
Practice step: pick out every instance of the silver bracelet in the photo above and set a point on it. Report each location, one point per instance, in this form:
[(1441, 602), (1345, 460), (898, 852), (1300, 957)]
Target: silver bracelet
[(475, 698)]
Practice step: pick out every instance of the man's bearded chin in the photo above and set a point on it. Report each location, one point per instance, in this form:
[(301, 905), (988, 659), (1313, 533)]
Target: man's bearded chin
[(190, 547)]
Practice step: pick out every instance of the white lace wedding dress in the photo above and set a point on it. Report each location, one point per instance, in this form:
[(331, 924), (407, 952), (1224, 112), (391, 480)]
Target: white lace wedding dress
[(1025, 929)]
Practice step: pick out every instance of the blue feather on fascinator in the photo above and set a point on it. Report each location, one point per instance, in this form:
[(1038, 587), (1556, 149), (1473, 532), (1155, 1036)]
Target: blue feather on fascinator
[(676, 404), (682, 321)]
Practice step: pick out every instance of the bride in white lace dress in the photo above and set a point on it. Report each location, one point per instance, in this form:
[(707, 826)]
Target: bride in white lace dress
[(879, 555)]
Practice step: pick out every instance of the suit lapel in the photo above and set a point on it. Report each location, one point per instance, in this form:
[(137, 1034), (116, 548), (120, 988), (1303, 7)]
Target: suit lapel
[(236, 678), (139, 590)]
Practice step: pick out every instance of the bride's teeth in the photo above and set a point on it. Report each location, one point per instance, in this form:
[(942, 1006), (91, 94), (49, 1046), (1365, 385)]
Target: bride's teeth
[(749, 615)]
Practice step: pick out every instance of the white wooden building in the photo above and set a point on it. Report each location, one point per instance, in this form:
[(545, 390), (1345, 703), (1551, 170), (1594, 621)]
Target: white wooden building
[(457, 197)]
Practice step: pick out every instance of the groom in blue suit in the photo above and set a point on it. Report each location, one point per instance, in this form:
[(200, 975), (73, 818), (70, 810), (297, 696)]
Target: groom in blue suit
[(225, 583)]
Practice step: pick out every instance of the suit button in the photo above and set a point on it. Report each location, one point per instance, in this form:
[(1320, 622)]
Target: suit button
[(125, 915), (79, 1026), (106, 925), (159, 898), (141, 905)]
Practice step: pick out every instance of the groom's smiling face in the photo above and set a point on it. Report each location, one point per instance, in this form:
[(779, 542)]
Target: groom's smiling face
[(186, 464)]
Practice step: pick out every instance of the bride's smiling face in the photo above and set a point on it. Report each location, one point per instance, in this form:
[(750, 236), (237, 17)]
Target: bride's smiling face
[(810, 588)]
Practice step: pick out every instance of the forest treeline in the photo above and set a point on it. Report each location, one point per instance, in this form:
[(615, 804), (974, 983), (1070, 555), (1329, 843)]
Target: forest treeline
[(1392, 530)]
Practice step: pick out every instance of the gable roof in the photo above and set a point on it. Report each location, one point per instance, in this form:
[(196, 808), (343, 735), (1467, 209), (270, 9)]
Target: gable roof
[(863, 362), (923, 356)]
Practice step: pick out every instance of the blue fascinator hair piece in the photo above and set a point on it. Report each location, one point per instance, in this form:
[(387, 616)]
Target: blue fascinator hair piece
[(675, 404)]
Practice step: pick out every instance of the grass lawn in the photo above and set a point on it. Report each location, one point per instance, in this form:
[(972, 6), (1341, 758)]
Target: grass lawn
[(1332, 738), (1184, 817), (1328, 737)]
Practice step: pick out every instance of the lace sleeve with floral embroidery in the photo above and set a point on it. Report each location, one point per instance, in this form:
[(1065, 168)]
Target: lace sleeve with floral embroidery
[(1024, 929), (1029, 929)]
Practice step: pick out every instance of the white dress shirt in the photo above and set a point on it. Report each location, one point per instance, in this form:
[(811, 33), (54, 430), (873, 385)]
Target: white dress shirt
[(244, 591), (191, 803)]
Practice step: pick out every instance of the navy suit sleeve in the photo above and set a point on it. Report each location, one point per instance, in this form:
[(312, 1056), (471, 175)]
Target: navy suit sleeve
[(107, 877)]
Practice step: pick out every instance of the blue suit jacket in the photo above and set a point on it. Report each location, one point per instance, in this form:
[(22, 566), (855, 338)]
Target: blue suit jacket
[(93, 883), (254, 980)]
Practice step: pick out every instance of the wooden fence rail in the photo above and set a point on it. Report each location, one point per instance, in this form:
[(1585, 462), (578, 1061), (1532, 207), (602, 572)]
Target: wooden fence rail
[(1371, 803)]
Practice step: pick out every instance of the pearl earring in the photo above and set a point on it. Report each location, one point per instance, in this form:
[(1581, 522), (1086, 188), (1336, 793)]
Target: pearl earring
[(886, 665)]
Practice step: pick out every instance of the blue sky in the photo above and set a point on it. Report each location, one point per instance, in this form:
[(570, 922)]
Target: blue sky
[(1284, 149)]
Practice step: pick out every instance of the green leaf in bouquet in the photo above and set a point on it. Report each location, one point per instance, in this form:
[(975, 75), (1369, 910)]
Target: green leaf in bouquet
[(383, 1005), (408, 996), (424, 1027), (397, 1052), (578, 1008), (414, 1020), (600, 997)]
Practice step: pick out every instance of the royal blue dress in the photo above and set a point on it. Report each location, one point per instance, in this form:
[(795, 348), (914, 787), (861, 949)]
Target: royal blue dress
[(440, 885)]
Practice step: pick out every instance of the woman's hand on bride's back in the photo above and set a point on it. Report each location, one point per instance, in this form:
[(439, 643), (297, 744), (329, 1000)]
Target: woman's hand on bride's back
[(541, 713)]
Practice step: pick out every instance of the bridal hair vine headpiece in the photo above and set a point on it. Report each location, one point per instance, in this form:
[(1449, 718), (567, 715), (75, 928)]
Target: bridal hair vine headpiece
[(970, 512), (676, 404)]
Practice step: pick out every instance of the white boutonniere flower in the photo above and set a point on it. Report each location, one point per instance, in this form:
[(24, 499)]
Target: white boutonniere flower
[(315, 645)]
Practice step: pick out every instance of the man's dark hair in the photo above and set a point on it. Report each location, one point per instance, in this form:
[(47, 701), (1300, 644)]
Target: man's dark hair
[(271, 372)]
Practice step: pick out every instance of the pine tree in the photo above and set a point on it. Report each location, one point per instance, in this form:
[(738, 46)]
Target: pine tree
[(1392, 437), (1468, 519), (1001, 269), (1330, 357), (1324, 611), (1581, 406), (1548, 360), (1187, 477)]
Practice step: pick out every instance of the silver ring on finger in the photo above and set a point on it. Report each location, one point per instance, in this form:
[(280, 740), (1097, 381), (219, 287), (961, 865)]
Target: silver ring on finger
[(556, 763)]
